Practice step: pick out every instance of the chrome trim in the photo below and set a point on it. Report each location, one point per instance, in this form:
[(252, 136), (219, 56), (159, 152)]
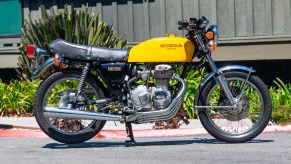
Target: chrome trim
[(215, 40), (39, 54), (221, 79), (164, 114), (40, 70), (214, 29), (236, 67), (55, 112), (209, 45)]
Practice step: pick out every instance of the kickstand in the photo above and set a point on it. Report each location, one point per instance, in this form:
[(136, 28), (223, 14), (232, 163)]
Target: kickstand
[(129, 133)]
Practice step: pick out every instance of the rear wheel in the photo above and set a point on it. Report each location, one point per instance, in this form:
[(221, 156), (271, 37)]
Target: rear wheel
[(247, 120), (57, 91)]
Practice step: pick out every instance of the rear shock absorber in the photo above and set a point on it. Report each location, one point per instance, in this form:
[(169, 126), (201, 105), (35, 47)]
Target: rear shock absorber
[(82, 79)]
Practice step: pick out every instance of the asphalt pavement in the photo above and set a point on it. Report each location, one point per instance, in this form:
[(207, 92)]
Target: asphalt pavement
[(266, 148)]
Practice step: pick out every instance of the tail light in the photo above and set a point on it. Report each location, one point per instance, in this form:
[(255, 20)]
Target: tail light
[(30, 51)]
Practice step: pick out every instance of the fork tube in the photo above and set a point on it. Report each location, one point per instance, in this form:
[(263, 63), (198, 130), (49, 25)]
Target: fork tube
[(244, 85), (221, 79)]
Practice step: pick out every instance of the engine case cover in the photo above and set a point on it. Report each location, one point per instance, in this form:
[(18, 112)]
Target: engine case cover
[(161, 98), (141, 98)]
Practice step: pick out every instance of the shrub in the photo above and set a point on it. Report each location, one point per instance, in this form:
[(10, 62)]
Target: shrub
[(281, 99), (192, 79), (17, 97), (76, 26)]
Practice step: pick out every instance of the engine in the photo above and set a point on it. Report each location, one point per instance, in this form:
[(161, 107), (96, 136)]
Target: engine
[(154, 97)]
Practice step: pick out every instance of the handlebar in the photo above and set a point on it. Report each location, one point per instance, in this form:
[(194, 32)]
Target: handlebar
[(183, 23), (193, 23)]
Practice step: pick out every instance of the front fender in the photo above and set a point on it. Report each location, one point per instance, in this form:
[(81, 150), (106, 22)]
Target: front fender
[(40, 70), (212, 74)]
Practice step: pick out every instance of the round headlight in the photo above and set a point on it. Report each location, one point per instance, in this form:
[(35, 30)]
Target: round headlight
[(214, 29)]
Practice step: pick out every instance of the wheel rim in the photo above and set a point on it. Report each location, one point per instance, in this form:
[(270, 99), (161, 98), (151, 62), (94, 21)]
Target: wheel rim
[(56, 93), (241, 120)]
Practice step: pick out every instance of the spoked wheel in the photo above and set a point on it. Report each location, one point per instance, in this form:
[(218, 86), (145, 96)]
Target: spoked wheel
[(247, 119), (59, 91)]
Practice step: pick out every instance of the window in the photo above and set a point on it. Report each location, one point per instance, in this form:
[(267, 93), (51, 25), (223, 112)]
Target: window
[(10, 18)]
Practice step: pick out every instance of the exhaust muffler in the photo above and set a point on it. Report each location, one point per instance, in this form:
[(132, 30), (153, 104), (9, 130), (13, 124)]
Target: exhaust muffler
[(55, 112)]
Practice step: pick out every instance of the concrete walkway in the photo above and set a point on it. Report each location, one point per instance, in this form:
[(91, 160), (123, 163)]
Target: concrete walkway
[(30, 123), (27, 127)]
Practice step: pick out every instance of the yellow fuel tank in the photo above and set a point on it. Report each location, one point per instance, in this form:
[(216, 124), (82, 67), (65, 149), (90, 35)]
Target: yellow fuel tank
[(163, 49)]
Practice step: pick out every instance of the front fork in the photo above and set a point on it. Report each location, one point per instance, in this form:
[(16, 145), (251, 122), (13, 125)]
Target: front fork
[(221, 79)]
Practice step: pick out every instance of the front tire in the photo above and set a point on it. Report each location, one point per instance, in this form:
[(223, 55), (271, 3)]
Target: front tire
[(245, 122), (51, 92)]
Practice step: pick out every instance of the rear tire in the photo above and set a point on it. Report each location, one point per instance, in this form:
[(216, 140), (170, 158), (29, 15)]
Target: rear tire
[(52, 130), (214, 120)]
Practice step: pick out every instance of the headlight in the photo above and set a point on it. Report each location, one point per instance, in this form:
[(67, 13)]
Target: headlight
[(214, 29)]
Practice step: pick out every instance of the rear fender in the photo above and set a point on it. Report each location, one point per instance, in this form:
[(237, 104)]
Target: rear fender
[(41, 69)]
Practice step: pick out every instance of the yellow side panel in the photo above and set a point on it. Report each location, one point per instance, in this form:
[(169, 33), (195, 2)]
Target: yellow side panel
[(163, 49)]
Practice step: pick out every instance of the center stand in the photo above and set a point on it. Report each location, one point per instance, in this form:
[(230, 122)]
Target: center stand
[(129, 133)]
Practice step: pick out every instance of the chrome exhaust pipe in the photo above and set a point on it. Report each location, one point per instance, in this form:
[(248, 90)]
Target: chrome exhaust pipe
[(163, 114), (55, 112)]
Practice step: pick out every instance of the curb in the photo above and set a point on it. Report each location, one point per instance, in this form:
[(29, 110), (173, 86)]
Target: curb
[(110, 134), (151, 133), (5, 126)]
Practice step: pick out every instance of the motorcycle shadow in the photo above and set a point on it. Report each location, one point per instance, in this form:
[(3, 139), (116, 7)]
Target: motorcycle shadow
[(111, 144), (215, 141)]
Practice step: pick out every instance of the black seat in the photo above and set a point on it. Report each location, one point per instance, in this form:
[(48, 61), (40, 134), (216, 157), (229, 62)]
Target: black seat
[(83, 52)]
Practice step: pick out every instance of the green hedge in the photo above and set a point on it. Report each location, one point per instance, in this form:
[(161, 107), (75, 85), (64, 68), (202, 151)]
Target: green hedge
[(281, 99), (17, 97)]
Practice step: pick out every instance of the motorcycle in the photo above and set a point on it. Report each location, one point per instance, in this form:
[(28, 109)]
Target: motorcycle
[(93, 85)]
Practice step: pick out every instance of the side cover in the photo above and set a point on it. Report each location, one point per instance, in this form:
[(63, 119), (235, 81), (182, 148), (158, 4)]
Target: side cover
[(163, 49)]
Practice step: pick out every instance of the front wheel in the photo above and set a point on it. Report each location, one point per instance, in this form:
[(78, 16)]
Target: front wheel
[(242, 123), (57, 91)]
